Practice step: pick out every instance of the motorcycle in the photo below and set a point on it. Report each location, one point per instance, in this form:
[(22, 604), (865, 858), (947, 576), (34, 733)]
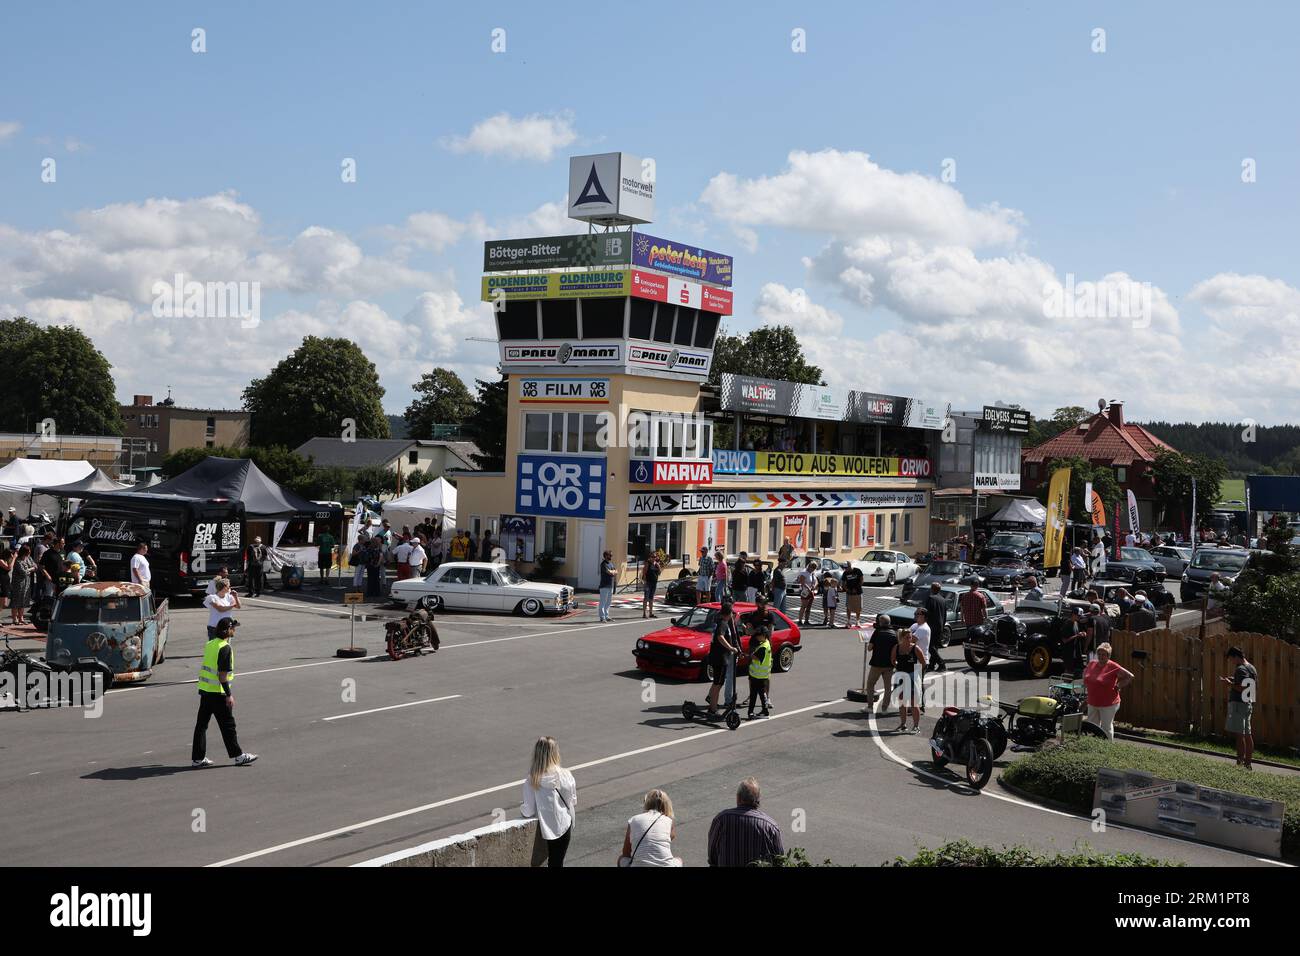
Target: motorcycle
[(1035, 720), (412, 634), (19, 665), (964, 735)]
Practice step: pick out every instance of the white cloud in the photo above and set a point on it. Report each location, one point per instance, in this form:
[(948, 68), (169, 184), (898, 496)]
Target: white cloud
[(846, 194), (533, 137), (9, 128)]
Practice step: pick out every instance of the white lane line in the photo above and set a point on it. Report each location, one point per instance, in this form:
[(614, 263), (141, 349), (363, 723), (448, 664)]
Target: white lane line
[(880, 743), (376, 710), (373, 657), (316, 838)]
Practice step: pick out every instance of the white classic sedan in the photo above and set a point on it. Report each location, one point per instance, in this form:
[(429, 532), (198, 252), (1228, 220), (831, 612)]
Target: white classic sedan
[(886, 567), (480, 586)]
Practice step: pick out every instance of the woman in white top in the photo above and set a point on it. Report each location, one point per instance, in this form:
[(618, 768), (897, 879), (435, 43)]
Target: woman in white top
[(551, 796), (220, 605), (649, 837)]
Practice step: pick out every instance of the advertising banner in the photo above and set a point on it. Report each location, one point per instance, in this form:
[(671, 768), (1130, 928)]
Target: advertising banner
[(667, 358), (793, 528), (710, 534), (821, 466), (997, 481), (558, 285), (634, 356), (690, 262), (675, 291), (866, 531), (645, 472), (558, 252), (1133, 519), (575, 391), (566, 486), (611, 188), (704, 502), (999, 419), (740, 393), (1058, 512), (542, 354)]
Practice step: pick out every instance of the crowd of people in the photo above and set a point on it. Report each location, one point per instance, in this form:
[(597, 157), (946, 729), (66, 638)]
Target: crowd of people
[(37, 568), (410, 552)]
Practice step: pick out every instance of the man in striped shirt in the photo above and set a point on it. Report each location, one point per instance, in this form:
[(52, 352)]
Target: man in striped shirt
[(973, 610), (744, 834)]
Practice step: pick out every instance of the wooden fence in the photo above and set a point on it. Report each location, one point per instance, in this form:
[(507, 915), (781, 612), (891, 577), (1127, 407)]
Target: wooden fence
[(1176, 684)]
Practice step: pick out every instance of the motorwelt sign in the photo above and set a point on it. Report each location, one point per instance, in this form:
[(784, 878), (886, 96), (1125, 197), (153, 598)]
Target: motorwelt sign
[(564, 486)]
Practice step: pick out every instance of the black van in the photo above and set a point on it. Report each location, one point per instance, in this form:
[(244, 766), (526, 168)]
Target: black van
[(190, 539)]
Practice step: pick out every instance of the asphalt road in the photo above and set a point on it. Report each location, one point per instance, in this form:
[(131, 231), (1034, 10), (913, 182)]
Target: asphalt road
[(431, 746)]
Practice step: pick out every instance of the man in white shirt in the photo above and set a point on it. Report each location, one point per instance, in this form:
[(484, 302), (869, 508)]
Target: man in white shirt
[(806, 584), (140, 566), (221, 604), (416, 558), (402, 555), (1130, 540), (212, 585), (921, 632)]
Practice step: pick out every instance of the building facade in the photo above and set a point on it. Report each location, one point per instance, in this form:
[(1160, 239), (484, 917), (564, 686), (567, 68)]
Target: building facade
[(407, 455), (154, 431), (979, 469)]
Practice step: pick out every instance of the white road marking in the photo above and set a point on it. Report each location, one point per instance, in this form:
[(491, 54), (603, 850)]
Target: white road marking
[(316, 838), (376, 710), (884, 748)]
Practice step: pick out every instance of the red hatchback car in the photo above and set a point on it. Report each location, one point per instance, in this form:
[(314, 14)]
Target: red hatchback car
[(683, 649)]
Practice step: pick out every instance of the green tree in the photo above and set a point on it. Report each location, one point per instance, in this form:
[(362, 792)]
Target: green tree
[(769, 351), (441, 398), (374, 480), (1173, 473), (1041, 429), (324, 383), (55, 372), (486, 427), (1082, 472), (415, 479)]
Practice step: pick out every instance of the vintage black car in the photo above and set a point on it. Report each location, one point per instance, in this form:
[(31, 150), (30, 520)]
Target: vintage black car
[(1035, 633), (1026, 546), (945, 572), (1137, 558), (1131, 579), (954, 628), (1007, 575)]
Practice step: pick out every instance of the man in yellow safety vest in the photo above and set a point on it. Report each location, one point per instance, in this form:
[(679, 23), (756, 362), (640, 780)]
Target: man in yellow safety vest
[(217, 699), (760, 666)]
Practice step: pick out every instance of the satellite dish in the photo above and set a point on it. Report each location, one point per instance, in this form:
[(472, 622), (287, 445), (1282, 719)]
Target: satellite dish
[(1101, 404)]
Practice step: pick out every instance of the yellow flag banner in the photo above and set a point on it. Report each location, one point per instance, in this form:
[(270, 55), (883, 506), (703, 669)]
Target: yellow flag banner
[(1098, 510), (1058, 511)]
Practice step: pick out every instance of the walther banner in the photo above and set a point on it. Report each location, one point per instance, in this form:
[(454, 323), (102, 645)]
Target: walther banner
[(1058, 512)]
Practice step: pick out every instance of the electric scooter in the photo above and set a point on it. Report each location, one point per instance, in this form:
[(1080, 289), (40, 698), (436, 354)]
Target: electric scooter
[(730, 713)]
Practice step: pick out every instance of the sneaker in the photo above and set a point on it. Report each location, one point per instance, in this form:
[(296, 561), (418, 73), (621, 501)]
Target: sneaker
[(244, 759), (205, 762)]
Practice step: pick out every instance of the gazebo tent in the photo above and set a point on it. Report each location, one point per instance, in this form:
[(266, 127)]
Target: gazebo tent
[(438, 497), (239, 480), (21, 477), (1018, 513), (95, 481)]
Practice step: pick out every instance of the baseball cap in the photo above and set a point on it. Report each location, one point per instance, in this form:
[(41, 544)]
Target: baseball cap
[(227, 624)]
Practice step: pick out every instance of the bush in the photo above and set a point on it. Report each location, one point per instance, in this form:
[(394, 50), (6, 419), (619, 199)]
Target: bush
[(796, 856), (1068, 775), (966, 854)]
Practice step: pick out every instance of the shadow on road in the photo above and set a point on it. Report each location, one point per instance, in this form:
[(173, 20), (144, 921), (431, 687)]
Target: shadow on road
[(141, 773)]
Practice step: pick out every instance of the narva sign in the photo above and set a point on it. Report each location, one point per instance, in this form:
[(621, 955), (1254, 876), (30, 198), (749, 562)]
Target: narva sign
[(643, 472)]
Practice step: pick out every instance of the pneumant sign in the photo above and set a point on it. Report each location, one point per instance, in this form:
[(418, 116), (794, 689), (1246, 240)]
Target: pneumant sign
[(563, 354), (668, 359)]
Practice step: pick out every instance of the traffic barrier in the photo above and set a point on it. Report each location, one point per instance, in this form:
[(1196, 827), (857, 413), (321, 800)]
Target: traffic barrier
[(513, 843)]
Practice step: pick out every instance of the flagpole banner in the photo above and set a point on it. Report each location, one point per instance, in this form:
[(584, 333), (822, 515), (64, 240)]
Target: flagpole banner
[(1133, 523), (793, 528), (1087, 497), (1098, 510), (1058, 512)]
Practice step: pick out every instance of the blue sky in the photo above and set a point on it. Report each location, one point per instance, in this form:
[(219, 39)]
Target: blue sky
[(1123, 162)]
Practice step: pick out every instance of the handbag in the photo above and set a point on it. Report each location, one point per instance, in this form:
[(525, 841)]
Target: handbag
[(638, 843)]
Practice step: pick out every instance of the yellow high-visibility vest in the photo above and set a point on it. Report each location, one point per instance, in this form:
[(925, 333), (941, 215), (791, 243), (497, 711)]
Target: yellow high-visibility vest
[(763, 670), (209, 676)]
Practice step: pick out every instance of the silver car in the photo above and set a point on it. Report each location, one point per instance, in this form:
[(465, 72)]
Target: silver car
[(1173, 558), (824, 566)]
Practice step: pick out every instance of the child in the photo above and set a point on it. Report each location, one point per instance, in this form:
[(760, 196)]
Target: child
[(760, 667), (830, 598)]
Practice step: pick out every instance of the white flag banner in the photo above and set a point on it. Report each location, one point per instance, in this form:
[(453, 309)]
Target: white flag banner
[(1133, 522)]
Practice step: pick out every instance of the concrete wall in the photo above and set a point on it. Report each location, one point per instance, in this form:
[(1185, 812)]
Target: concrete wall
[(513, 843)]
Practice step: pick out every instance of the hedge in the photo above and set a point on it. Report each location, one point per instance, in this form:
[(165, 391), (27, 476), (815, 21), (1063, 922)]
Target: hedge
[(964, 854), (1068, 774)]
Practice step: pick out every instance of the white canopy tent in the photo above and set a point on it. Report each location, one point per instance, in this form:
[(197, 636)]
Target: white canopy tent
[(20, 476), (437, 498), (1021, 511)]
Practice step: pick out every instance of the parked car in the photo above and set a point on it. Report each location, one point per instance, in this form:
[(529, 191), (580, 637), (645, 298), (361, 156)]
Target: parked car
[(1138, 558), (1033, 633), (481, 586), (682, 650), (682, 592), (1131, 579), (112, 627), (954, 629), (1026, 546), (1229, 562), (1173, 558), (1007, 574), (885, 567), (824, 566), (941, 571)]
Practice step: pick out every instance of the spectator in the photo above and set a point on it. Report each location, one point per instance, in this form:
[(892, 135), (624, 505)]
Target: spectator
[(830, 599), (881, 663), (21, 582), (357, 558), (756, 582), (652, 570), (258, 556), (778, 585), (551, 796), (974, 611), (922, 634), (648, 840), (435, 550), (744, 835), (722, 656), (374, 560), (719, 576), (1035, 593), (221, 605), (1099, 624), (904, 659), (704, 585), (786, 552), (76, 564), (1078, 569), (489, 546), (402, 555), (936, 615), (1241, 702), (458, 545), (417, 560), (7, 559), (51, 567), (607, 573), (760, 665), (140, 573), (807, 584), (743, 579), (1218, 591), (1103, 679), (852, 581)]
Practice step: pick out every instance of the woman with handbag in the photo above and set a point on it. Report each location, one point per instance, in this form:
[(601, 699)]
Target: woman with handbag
[(649, 837), (551, 796)]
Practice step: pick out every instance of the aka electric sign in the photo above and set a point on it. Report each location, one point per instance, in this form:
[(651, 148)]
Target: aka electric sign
[(564, 486)]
